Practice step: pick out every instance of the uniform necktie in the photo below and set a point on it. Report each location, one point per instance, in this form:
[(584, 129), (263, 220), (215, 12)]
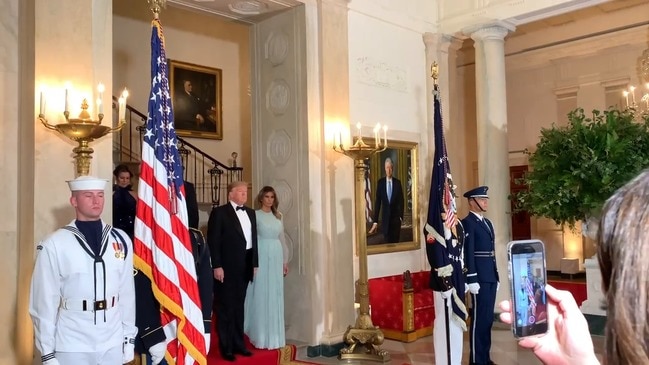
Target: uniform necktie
[(389, 189), (241, 207)]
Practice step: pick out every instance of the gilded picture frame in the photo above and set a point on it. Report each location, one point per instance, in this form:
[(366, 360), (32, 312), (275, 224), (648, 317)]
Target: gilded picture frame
[(404, 159), (197, 100)]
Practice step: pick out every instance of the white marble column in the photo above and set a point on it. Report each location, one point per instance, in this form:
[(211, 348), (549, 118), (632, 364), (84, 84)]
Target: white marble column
[(491, 113), (320, 312), (17, 166)]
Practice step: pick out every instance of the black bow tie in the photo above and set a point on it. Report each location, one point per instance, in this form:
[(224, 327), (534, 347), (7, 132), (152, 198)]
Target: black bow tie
[(241, 207)]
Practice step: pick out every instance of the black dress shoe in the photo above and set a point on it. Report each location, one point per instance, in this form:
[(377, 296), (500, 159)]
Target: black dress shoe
[(243, 352), (228, 356)]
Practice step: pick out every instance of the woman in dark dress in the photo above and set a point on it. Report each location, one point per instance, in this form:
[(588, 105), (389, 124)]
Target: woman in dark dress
[(124, 200)]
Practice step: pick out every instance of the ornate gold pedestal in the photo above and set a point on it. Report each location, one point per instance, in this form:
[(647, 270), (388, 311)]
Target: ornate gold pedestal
[(362, 339), (82, 130)]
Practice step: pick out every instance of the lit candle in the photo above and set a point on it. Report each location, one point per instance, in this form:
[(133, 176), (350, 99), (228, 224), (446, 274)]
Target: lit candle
[(122, 105), (100, 107), (67, 100), (632, 88), (340, 138), (385, 136), (376, 135), (358, 125), (42, 107), (121, 102), (100, 90), (626, 98)]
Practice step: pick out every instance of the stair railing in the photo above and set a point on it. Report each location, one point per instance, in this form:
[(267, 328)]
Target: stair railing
[(209, 176)]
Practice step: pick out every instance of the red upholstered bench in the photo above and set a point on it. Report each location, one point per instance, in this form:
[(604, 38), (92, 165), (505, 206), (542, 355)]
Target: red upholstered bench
[(403, 309)]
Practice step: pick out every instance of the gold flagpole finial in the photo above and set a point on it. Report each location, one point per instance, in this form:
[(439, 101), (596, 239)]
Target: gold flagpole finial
[(156, 6), (434, 72)]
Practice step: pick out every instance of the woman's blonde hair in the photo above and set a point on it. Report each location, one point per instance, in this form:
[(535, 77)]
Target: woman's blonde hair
[(623, 254), (260, 199)]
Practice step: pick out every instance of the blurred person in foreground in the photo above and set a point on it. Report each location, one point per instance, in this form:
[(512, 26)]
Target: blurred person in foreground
[(623, 254)]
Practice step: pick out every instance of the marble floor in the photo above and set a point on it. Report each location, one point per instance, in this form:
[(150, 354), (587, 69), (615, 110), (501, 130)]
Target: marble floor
[(504, 351)]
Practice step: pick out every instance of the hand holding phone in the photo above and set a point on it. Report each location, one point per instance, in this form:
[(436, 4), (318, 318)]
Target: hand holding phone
[(528, 278), (567, 340)]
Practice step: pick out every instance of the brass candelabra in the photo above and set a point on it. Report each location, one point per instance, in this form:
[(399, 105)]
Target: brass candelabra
[(83, 130), (363, 339)]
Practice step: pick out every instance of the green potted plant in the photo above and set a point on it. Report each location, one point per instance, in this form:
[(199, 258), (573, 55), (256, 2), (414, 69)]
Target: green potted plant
[(575, 168)]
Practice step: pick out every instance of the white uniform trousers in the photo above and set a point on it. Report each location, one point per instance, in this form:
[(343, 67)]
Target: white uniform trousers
[(439, 333), (112, 356)]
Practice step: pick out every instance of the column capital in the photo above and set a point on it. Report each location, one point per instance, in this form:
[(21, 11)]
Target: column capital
[(443, 41), (496, 30)]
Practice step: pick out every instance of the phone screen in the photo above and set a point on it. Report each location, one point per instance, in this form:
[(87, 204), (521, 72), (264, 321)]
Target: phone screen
[(528, 279)]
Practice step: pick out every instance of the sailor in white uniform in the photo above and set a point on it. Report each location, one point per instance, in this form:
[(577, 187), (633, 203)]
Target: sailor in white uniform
[(82, 299)]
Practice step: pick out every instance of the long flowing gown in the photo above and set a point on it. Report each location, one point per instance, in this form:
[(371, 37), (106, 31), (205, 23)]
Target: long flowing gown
[(264, 307)]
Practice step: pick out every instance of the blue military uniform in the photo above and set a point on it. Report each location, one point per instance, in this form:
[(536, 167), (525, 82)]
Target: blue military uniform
[(480, 264)]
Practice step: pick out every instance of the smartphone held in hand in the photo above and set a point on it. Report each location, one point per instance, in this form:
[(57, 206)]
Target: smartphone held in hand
[(527, 277)]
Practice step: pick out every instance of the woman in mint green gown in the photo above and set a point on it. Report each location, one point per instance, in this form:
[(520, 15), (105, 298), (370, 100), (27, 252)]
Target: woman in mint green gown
[(264, 306)]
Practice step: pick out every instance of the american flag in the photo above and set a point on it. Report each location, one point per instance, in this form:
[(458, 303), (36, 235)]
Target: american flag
[(441, 199), (368, 197), (162, 246)]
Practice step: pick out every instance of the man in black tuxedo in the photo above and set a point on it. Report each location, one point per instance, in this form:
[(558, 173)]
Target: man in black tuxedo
[(389, 193), (232, 239)]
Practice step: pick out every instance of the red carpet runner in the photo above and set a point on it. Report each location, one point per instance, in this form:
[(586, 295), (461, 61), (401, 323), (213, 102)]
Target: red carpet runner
[(283, 356), (578, 290)]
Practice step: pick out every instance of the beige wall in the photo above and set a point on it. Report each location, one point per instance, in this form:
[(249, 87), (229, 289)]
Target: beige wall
[(387, 85), (194, 38)]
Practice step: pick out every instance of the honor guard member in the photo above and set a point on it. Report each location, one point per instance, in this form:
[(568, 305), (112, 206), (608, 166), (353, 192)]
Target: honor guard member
[(82, 299), (481, 274), (445, 256), (151, 338)]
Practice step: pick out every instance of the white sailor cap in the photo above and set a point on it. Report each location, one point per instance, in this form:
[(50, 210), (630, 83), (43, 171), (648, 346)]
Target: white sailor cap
[(87, 183)]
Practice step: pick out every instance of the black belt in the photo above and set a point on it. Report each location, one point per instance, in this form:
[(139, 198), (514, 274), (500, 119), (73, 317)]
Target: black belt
[(484, 253)]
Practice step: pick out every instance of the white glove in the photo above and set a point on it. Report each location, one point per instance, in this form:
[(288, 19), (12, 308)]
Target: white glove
[(157, 352), (53, 361), (466, 288), (474, 288), (447, 294), (208, 337), (128, 353)]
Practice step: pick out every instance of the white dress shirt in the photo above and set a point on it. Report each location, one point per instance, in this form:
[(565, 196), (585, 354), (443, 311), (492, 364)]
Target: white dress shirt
[(246, 225)]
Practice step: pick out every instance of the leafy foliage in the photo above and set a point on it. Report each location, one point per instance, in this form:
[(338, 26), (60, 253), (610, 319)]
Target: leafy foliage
[(577, 167)]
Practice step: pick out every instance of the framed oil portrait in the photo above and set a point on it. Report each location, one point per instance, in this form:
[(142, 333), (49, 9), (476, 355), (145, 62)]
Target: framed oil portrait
[(392, 183), (196, 99)]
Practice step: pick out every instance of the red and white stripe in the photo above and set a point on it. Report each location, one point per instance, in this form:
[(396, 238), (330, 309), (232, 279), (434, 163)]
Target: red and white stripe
[(163, 247)]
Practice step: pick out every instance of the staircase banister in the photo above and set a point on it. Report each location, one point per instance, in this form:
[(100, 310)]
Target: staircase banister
[(183, 141)]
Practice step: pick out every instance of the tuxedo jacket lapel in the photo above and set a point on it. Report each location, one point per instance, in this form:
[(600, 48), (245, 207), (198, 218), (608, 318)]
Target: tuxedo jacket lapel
[(235, 221)]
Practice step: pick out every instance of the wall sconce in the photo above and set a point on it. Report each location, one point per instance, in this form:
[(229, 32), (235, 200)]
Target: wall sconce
[(84, 129), (363, 338)]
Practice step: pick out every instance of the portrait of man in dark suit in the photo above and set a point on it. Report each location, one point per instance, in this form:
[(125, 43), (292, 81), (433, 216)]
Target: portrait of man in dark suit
[(232, 240), (196, 100), (388, 205)]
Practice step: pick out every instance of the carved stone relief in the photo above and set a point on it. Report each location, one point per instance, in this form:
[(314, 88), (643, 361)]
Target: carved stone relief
[(284, 195), (279, 147), (278, 97), (381, 74), (277, 48)]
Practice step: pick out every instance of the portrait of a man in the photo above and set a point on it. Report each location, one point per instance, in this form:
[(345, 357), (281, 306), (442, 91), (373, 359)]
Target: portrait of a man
[(196, 100), (388, 205), (390, 200)]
